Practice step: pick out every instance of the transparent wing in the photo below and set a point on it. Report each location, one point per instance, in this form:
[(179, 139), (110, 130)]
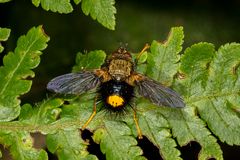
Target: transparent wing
[(74, 83), (159, 94)]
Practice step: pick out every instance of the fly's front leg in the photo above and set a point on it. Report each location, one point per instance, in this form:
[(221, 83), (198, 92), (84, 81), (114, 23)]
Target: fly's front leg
[(147, 46)]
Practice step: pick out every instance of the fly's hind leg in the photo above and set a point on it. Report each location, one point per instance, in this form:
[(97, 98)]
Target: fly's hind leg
[(137, 125), (92, 115)]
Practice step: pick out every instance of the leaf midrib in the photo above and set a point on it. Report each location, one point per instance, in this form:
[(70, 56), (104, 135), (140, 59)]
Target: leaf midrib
[(210, 96), (115, 143), (15, 69), (69, 144), (10, 126)]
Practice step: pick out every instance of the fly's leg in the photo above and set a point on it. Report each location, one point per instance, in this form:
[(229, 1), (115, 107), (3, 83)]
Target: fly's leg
[(137, 125), (147, 46), (92, 115)]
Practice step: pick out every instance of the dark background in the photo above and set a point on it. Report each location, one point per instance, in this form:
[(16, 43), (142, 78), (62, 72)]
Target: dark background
[(137, 22)]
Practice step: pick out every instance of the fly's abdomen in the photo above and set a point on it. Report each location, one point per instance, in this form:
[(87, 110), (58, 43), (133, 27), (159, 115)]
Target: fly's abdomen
[(116, 94)]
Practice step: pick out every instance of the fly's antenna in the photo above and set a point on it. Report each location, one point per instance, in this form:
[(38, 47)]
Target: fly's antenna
[(122, 47)]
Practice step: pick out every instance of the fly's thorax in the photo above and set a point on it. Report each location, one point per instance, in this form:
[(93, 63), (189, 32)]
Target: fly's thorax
[(120, 69)]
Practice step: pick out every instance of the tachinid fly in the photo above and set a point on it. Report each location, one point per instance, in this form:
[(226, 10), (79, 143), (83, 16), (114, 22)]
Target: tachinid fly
[(116, 81)]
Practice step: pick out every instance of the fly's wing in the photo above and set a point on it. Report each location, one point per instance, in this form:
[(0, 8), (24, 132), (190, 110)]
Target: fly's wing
[(74, 83), (159, 94)]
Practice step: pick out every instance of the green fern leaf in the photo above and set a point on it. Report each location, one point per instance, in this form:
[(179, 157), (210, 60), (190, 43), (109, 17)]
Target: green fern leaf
[(215, 88), (102, 10), (193, 128), (67, 144), (21, 145), (4, 34), (61, 6), (43, 114), (186, 125), (85, 61), (162, 61), (156, 128), (17, 67), (117, 142)]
